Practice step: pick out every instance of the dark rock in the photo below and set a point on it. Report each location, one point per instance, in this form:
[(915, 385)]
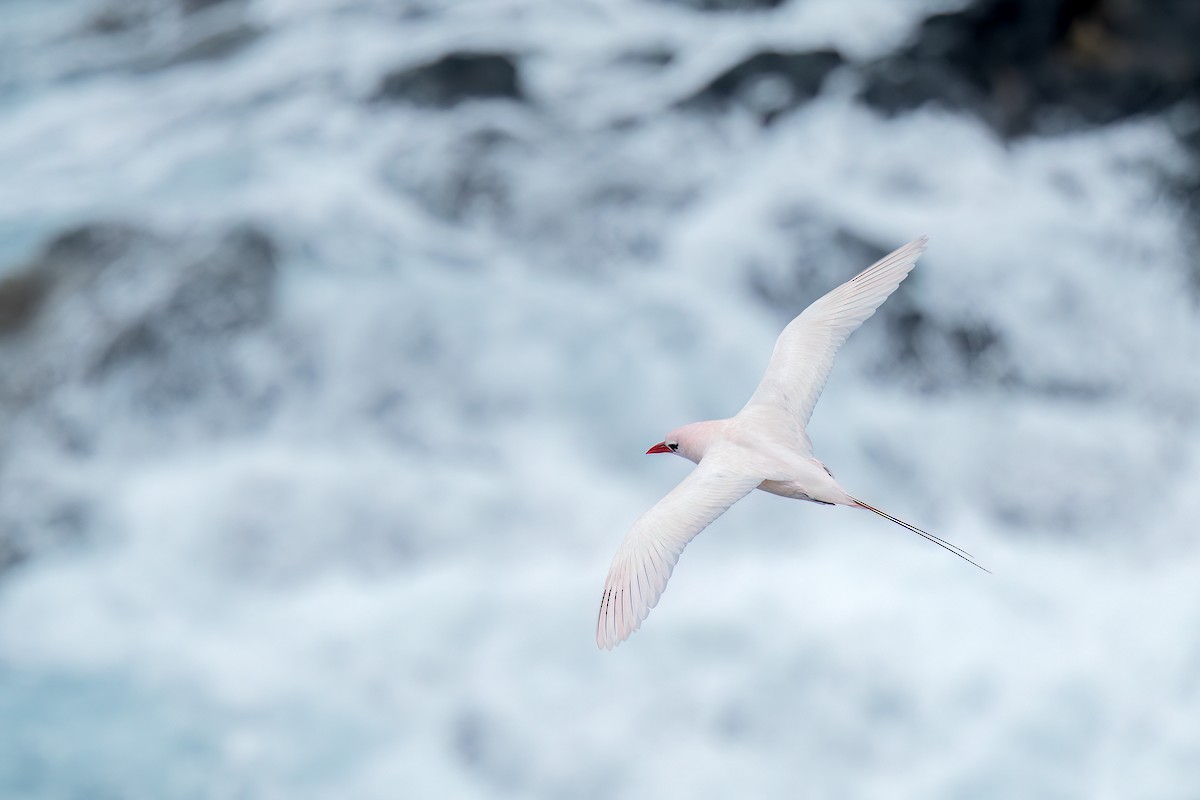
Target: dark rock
[(231, 288), (453, 79), (137, 342), (117, 19), (11, 553), (35, 515), (195, 6), (731, 5), (110, 317), (462, 177), (1040, 65), (214, 44), (650, 58), (937, 353), (175, 350), (72, 259), (91, 244), (159, 34), (103, 296), (768, 83), (20, 298), (121, 16)]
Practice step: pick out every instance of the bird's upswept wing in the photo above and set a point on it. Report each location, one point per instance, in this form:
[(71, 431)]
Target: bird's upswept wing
[(804, 352), (647, 555)]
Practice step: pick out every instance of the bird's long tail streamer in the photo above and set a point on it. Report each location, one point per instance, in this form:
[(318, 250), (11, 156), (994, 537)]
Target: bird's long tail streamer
[(942, 543)]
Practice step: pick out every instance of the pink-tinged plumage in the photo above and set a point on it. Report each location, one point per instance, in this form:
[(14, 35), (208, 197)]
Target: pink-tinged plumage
[(764, 446)]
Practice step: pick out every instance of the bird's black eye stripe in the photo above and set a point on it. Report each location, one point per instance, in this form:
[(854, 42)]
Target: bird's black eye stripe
[(674, 446)]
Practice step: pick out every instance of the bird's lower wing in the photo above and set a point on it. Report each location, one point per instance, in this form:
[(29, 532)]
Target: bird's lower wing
[(646, 557), (804, 352)]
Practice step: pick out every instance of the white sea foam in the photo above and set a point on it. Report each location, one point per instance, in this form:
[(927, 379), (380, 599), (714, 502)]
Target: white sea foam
[(386, 586)]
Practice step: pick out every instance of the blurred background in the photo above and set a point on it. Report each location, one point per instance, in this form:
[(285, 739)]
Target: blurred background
[(332, 333)]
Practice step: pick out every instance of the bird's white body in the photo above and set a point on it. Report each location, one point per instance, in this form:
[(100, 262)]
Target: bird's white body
[(788, 471), (764, 446)]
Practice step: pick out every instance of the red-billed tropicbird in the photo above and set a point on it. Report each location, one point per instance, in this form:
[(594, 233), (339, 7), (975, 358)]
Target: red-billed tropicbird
[(764, 446)]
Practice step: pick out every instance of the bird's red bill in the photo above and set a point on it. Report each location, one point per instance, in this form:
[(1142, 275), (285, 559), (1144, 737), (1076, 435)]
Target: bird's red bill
[(661, 447)]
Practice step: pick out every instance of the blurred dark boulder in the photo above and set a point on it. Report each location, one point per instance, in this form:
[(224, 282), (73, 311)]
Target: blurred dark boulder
[(730, 5), (768, 83), (195, 6), (938, 352), (453, 79), (211, 44), (119, 16), (107, 316), (648, 57), (103, 296), (20, 298), (36, 516), (1045, 65), (148, 35), (68, 263), (460, 177)]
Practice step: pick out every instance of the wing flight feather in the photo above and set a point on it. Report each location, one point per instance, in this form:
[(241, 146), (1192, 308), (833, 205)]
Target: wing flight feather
[(805, 351), (647, 556)]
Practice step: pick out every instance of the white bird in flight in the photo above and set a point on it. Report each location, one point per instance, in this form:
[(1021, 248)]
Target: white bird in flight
[(765, 446)]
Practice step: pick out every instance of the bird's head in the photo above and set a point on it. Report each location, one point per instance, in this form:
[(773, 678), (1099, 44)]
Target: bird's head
[(690, 441)]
